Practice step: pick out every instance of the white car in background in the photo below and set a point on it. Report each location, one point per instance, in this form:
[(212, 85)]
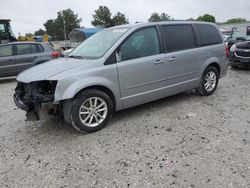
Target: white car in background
[(66, 52)]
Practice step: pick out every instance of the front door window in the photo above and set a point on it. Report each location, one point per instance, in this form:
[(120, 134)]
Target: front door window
[(140, 44)]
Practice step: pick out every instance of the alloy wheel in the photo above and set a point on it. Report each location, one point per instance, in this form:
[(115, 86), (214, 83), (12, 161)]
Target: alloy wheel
[(93, 111)]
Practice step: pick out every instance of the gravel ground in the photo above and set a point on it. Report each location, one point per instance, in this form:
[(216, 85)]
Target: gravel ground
[(180, 141)]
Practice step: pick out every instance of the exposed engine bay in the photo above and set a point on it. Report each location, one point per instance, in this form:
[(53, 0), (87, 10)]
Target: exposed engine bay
[(36, 97)]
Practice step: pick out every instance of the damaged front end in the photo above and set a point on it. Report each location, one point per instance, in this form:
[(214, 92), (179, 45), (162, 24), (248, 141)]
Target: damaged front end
[(37, 98)]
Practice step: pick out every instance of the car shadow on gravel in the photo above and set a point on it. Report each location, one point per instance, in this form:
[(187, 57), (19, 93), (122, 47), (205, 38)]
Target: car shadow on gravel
[(157, 105), (7, 80), (56, 125), (242, 69)]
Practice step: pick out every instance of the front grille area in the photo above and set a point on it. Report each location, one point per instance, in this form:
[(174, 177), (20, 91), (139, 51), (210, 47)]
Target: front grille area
[(32, 94), (243, 53)]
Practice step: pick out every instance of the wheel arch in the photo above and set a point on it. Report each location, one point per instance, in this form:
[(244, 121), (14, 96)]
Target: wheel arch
[(102, 88), (67, 103), (216, 65), (210, 62)]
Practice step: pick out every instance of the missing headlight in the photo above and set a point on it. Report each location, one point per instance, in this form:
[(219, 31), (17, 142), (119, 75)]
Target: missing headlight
[(46, 87)]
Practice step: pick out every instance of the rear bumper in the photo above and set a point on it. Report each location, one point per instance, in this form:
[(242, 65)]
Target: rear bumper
[(239, 62)]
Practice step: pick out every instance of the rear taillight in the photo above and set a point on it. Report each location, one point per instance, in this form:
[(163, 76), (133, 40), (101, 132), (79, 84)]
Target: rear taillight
[(55, 54), (227, 51)]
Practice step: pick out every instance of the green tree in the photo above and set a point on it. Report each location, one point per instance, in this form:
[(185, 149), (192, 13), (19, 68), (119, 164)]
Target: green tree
[(103, 18), (39, 32), (50, 28), (66, 20), (156, 17), (119, 19), (206, 18), (236, 20), (28, 34)]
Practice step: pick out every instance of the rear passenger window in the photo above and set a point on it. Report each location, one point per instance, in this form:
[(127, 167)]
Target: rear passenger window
[(5, 50), (40, 48), (34, 48), (23, 49), (179, 37), (207, 34)]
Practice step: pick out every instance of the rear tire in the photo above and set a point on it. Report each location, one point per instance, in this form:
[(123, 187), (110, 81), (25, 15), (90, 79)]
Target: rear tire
[(209, 81), (91, 111)]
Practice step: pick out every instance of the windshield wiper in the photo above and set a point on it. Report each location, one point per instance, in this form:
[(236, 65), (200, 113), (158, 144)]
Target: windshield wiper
[(75, 56)]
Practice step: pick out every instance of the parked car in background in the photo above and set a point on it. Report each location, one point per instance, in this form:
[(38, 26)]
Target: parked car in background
[(18, 56), (122, 67), (239, 55), (66, 52), (235, 37)]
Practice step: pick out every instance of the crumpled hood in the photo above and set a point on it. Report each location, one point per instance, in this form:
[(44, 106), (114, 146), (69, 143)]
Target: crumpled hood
[(46, 70)]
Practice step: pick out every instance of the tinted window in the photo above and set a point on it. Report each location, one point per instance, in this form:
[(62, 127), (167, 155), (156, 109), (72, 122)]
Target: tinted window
[(24, 49), (40, 48), (207, 34), (179, 37), (5, 50), (34, 48), (140, 44), (236, 34)]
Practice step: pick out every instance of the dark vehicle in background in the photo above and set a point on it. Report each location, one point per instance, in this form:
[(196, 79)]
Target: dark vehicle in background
[(18, 56), (235, 37), (239, 55), (6, 34)]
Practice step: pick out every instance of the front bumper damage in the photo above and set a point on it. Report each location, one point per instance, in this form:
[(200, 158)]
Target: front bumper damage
[(36, 98)]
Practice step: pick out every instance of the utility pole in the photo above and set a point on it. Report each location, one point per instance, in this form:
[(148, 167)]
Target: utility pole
[(65, 34)]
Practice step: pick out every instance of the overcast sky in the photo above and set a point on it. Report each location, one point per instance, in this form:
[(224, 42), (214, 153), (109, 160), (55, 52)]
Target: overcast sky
[(30, 15)]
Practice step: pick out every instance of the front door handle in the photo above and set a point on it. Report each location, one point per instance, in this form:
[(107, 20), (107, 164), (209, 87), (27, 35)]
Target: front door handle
[(172, 59), (158, 62)]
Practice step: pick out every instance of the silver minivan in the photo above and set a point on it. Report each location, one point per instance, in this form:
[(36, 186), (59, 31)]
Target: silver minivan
[(121, 67)]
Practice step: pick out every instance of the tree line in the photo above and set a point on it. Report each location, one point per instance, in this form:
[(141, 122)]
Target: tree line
[(67, 20)]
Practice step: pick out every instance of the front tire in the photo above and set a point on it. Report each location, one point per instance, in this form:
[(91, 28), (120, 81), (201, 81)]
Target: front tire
[(209, 81), (91, 111)]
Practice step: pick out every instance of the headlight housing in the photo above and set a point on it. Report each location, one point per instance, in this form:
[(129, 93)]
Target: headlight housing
[(233, 48)]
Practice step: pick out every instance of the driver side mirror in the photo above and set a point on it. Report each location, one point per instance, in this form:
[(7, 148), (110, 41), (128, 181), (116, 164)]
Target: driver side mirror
[(118, 55), (240, 38)]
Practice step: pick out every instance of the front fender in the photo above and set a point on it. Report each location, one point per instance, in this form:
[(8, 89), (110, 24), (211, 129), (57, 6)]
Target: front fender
[(67, 89)]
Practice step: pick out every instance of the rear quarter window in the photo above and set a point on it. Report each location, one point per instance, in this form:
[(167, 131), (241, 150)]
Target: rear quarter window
[(207, 34)]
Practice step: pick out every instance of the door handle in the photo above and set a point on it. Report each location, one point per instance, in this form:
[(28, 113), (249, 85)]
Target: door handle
[(171, 59), (158, 62)]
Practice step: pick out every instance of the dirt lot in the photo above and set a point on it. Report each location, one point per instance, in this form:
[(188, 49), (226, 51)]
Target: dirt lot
[(180, 141)]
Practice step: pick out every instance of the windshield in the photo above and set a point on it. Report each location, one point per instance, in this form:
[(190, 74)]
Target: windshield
[(97, 45)]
